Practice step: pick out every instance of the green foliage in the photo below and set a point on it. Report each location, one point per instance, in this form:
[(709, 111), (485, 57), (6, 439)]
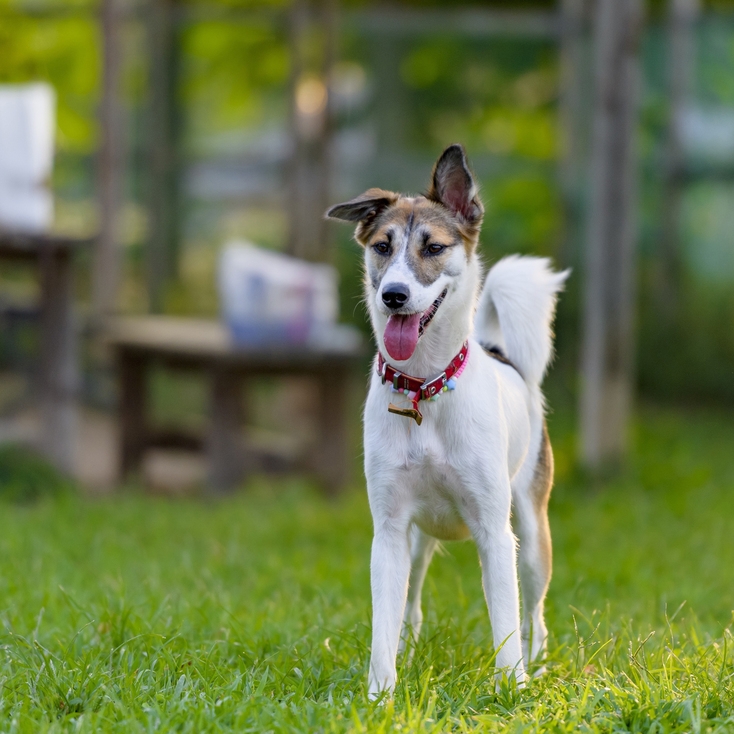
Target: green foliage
[(25, 476), (63, 51), (234, 76), (686, 351), (497, 98), (510, 226), (252, 614)]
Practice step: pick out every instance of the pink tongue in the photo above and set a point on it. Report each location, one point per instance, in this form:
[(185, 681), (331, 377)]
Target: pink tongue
[(401, 335)]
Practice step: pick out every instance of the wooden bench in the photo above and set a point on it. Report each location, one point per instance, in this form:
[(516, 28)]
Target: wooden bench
[(205, 346)]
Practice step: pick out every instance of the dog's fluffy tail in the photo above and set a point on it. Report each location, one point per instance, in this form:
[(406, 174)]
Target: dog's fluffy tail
[(515, 312)]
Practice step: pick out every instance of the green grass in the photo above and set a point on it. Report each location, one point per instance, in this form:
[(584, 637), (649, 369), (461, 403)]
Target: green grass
[(252, 614)]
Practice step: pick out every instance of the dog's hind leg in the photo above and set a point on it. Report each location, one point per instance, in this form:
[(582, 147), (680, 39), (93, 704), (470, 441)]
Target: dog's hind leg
[(488, 519), (535, 559), (422, 547)]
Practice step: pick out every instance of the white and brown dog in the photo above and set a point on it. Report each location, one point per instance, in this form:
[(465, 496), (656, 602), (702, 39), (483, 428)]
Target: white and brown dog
[(454, 427)]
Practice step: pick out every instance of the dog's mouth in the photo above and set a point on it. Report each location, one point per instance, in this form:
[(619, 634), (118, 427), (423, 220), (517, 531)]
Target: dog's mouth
[(403, 331), (430, 312)]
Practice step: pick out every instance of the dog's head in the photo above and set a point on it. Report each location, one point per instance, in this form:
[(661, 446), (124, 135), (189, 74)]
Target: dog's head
[(417, 250)]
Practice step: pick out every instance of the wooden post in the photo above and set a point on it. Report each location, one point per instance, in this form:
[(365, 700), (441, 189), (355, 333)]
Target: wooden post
[(682, 16), (391, 130), (225, 451), (59, 369), (311, 127), (163, 126), (574, 129), (608, 344), (333, 456), (110, 170), (132, 408)]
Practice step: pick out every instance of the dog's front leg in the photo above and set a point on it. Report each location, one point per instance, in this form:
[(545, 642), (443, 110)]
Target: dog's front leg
[(390, 568), (496, 544)]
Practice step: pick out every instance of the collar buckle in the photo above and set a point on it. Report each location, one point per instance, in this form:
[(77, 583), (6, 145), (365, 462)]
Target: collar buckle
[(430, 388)]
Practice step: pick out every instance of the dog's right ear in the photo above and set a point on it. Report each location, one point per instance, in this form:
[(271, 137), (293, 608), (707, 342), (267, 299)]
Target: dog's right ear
[(364, 209), (365, 206)]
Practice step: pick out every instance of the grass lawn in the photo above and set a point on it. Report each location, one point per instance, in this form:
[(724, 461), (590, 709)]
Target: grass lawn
[(252, 614)]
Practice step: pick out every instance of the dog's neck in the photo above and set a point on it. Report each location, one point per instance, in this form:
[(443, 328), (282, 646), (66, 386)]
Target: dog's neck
[(445, 335), (436, 348)]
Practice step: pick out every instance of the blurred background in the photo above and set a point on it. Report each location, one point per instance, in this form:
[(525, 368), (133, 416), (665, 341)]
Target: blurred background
[(602, 134)]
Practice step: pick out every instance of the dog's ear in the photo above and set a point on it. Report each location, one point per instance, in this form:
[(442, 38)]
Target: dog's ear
[(452, 185), (364, 209)]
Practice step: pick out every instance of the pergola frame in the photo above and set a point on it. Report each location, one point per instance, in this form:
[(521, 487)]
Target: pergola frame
[(609, 297)]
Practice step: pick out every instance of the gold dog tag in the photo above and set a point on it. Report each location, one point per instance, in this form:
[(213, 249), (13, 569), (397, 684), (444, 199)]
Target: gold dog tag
[(406, 413)]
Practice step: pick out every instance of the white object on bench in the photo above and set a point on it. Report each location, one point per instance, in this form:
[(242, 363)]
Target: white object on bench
[(267, 297), (27, 125)]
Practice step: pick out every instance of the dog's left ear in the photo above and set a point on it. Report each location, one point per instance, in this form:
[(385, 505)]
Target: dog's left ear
[(452, 185)]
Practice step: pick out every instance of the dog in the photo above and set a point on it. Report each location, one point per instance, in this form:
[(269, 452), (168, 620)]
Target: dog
[(454, 423)]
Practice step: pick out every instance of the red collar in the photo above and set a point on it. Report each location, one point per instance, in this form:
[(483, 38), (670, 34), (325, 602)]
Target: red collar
[(417, 388)]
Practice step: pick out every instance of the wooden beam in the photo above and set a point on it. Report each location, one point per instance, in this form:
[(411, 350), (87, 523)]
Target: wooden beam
[(468, 22), (471, 21), (608, 343)]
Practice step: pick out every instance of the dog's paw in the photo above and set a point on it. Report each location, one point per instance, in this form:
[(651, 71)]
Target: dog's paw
[(380, 689), (380, 698), (508, 679)]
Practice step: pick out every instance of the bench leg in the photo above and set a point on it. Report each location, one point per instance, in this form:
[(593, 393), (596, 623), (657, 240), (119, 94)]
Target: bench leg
[(132, 408), (334, 455), (59, 369), (225, 450)]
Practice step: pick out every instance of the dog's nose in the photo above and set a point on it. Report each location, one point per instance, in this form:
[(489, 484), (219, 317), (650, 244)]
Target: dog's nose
[(395, 295)]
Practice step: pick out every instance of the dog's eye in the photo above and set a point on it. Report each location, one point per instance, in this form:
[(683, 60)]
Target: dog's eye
[(382, 248), (435, 249)]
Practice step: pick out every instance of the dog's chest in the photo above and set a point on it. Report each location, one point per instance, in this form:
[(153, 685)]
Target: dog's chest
[(435, 490)]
